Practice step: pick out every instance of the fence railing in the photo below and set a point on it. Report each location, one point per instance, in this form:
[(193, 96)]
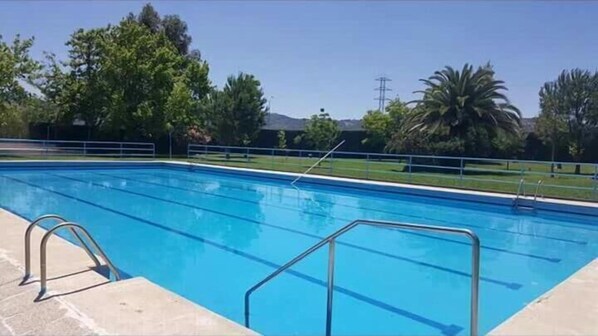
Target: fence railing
[(570, 180), (26, 148)]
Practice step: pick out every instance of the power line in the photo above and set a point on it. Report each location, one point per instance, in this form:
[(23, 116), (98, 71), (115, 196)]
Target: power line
[(382, 92)]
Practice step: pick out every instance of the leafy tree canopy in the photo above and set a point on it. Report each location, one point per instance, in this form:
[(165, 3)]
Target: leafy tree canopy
[(282, 139), (172, 26), (238, 112), (321, 131), (570, 103), (466, 99), (129, 79), (380, 126), (16, 68)]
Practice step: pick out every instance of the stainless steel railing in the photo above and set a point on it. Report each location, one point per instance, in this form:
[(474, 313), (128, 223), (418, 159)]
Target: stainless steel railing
[(520, 193), (538, 187), (468, 172), (71, 226), (49, 148), (330, 241), (37, 222)]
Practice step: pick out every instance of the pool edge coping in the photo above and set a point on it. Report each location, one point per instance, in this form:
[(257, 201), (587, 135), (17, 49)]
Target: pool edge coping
[(555, 313), (488, 197)]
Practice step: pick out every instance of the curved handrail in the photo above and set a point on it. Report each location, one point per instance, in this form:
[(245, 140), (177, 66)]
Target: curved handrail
[(36, 222), (520, 190), (538, 186), (73, 226), (475, 265)]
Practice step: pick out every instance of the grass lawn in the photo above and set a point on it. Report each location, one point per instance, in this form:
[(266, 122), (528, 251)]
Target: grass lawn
[(493, 176)]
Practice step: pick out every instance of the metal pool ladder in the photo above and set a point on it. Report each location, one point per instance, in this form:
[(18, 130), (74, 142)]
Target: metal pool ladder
[(331, 240), (521, 194), (76, 230)]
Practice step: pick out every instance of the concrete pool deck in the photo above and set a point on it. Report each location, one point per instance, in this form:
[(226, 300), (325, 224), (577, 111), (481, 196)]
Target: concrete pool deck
[(570, 308), (80, 301)]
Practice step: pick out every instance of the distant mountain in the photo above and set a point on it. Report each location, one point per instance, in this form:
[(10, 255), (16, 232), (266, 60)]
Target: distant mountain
[(277, 121)]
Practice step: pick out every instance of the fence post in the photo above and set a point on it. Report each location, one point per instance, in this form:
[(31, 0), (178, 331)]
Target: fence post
[(461, 171), (410, 163), (121, 150), (595, 181), (247, 154), (367, 166), (331, 169), (272, 158), (84, 149), (45, 148)]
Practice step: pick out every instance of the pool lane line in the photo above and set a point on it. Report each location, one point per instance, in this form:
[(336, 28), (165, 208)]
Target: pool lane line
[(554, 260), (583, 226), (446, 329), (537, 236), (550, 259), (510, 285)]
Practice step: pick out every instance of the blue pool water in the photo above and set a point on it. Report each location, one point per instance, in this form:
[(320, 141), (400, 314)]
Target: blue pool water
[(209, 237)]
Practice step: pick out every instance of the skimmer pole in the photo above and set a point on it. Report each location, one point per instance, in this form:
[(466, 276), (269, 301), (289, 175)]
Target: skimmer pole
[(317, 163)]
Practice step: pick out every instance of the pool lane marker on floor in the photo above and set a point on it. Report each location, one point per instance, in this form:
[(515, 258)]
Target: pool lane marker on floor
[(445, 329), (549, 259), (510, 285), (396, 214)]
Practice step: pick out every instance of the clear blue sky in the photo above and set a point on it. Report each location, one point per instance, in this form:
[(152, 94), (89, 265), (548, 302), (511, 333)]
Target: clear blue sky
[(326, 54)]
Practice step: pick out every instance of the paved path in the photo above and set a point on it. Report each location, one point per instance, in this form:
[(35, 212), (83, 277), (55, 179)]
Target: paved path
[(20, 314)]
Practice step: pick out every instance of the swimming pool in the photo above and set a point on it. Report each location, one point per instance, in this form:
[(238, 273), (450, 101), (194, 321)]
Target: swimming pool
[(210, 236)]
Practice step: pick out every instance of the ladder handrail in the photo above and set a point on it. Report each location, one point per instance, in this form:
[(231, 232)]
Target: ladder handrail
[(330, 240), (538, 186), (318, 162), (520, 190), (73, 226), (35, 223)]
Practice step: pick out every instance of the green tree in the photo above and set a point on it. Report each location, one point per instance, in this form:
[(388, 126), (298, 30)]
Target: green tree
[(129, 79), (571, 98), (150, 18), (377, 125), (238, 112), (175, 30), (282, 139), (321, 131), (551, 124), (85, 92), (16, 68), (380, 126), (507, 146), (466, 102), (172, 26)]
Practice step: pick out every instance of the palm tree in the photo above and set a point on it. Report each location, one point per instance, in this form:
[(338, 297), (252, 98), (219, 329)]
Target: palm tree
[(459, 101)]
